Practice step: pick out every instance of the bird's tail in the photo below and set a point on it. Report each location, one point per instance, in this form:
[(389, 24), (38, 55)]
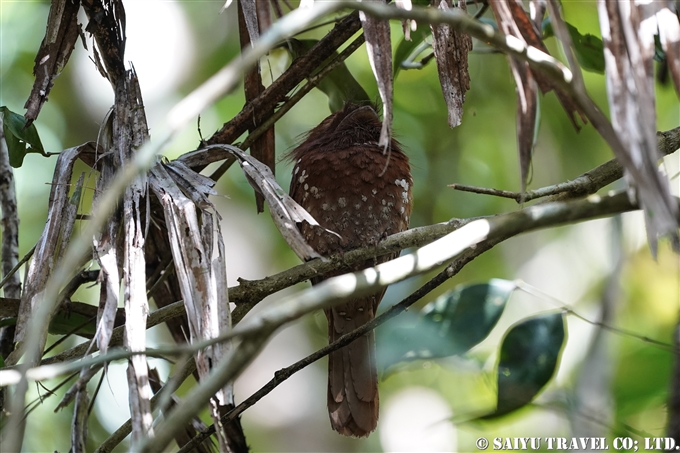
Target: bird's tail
[(352, 374)]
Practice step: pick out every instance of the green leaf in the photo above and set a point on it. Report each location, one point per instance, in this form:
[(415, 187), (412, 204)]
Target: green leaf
[(73, 323), (4, 322), (659, 54), (588, 48), (77, 193), (20, 139), (451, 325), (340, 86), (529, 356), (406, 48), (463, 317)]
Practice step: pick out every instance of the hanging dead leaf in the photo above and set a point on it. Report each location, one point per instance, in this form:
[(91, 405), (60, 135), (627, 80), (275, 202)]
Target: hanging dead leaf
[(60, 39), (513, 21), (285, 212), (379, 48), (451, 50), (628, 35)]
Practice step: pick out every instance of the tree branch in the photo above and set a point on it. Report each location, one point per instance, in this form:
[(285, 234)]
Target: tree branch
[(250, 292), (588, 183), (471, 239)]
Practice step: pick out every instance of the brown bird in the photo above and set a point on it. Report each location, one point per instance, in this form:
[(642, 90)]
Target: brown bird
[(352, 187)]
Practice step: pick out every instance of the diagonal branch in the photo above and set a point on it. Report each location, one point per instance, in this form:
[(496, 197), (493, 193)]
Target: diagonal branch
[(250, 292), (469, 239), (586, 184)]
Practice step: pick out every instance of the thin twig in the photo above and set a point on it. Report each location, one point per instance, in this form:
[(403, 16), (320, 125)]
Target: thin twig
[(530, 289), (487, 191), (181, 115), (25, 258), (469, 241), (312, 82), (586, 184), (157, 401), (283, 374), (451, 270)]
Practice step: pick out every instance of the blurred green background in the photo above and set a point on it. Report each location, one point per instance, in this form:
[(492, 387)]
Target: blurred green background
[(175, 46)]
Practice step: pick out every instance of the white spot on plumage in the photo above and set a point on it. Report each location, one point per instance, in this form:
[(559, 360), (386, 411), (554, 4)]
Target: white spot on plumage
[(325, 206), (383, 202), (306, 187), (374, 191), (364, 198), (402, 183), (401, 210), (357, 206), (404, 197), (342, 202)]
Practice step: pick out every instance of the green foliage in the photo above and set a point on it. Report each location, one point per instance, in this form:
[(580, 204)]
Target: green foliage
[(340, 85), (460, 319), (529, 356), (464, 317), (481, 152), (21, 139), (405, 49), (451, 325), (588, 48), (72, 323)]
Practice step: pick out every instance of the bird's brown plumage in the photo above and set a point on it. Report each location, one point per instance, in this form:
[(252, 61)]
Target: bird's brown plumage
[(346, 181)]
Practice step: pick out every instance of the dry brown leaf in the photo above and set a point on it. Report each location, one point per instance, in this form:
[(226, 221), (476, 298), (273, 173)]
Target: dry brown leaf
[(628, 36), (379, 48), (201, 271), (527, 108), (451, 49), (129, 133), (507, 14), (250, 16), (60, 39), (52, 242), (285, 212), (514, 20), (264, 147)]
